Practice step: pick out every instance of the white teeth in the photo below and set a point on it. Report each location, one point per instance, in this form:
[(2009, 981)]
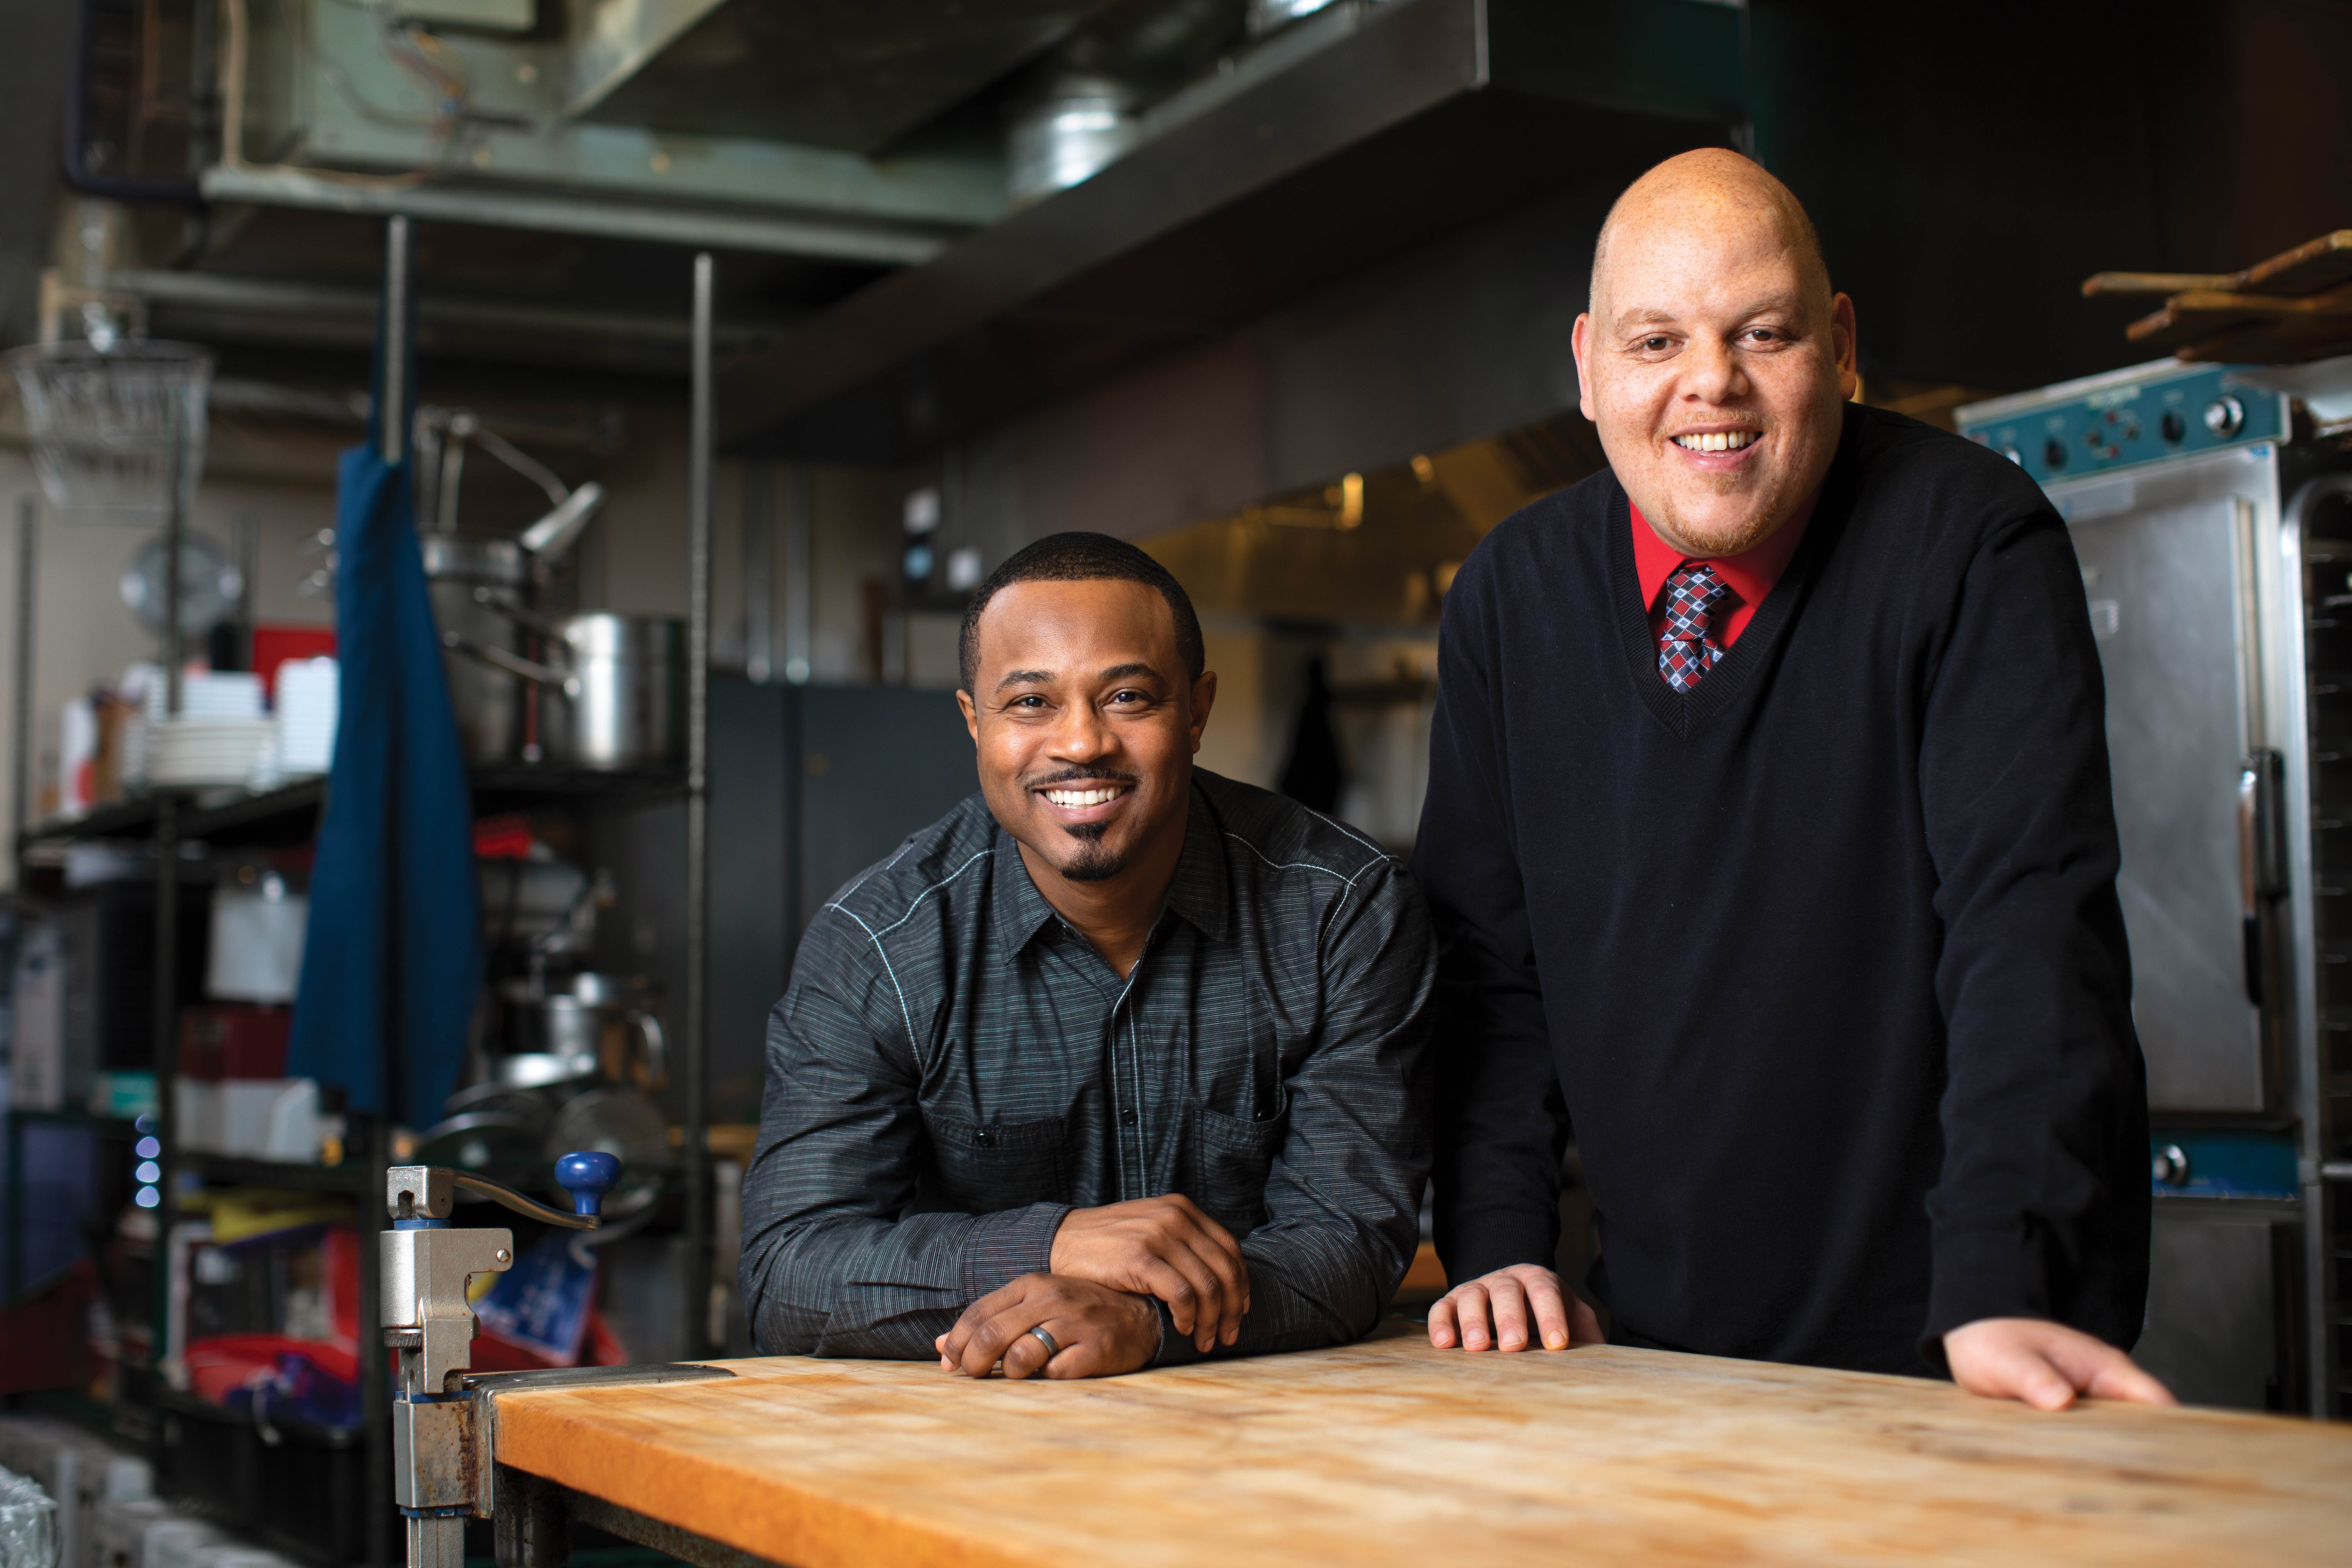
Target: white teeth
[(1717, 441), (1080, 797)]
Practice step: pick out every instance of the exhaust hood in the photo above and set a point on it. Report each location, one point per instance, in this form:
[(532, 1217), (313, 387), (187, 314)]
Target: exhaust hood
[(1354, 135)]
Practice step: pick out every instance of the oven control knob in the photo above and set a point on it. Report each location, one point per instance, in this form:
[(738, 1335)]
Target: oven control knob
[(2225, 416), (2053, 453), (2171, 1165), (2173, 425)]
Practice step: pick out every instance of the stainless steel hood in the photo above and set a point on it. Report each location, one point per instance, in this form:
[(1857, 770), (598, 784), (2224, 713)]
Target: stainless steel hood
[(1389, 126)]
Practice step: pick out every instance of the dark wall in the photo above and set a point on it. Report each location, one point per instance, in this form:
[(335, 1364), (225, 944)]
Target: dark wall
[(33, 70), (1968, 165)]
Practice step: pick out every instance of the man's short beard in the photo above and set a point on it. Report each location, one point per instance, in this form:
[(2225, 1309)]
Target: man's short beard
[(1093, 862)]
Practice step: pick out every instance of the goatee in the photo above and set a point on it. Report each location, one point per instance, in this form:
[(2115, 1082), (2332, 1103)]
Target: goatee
[(1093, 862)]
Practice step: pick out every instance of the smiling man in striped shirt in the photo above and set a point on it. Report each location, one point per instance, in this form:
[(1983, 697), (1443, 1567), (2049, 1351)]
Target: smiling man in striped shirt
[(1110, 1067)]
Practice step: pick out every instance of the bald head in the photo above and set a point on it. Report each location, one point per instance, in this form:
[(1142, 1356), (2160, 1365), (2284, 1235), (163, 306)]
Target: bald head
[(1709, 194), (1713, 358)]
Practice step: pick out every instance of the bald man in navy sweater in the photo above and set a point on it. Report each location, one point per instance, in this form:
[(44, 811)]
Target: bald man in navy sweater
[(1770, 837)]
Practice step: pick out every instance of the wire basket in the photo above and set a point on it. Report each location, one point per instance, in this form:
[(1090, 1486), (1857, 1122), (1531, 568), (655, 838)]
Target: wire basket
[(104, 425)]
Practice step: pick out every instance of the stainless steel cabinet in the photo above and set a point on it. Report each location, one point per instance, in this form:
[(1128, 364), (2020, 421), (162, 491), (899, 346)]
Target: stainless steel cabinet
[(2216, 577)]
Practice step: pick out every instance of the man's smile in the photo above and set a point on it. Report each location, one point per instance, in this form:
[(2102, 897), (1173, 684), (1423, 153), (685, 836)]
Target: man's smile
[(1079, 802), (1717, 449)]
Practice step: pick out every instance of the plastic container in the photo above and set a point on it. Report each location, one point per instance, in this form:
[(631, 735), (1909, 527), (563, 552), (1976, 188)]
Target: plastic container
[(28, 1524)]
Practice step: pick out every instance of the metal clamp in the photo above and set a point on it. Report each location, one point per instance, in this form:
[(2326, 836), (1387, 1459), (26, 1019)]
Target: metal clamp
[(440, 1432)]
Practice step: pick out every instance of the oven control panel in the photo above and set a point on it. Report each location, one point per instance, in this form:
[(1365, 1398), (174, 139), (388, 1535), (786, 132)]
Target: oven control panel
[(2126, 420)]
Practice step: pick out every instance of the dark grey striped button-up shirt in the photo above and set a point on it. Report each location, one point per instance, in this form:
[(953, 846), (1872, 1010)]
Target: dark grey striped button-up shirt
[(954, 1068)]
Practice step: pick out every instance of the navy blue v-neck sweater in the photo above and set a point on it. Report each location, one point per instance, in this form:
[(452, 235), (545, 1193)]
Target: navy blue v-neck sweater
[(1823, 961)]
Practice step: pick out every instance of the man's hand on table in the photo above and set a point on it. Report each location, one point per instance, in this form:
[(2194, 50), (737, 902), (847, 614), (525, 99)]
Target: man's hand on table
[(1493, 1311), (1097, 1331), (2045, 1364), (1162, 1246)]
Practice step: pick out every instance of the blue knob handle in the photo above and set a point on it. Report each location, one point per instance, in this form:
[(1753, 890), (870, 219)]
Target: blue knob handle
[(587, 1176)]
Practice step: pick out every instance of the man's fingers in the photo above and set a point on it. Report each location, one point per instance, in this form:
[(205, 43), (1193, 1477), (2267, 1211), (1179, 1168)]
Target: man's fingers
[(1162, 1278), (2016, 1370), (1508, 1299), (1209, 1311), (1200, 1299), (1026, 1355), (956, 1343), (1472, 1307), (2098, 1369), (2127, 1380), (1442, 1332), (1550, 1307), (1233, 1281), (990, 1343)]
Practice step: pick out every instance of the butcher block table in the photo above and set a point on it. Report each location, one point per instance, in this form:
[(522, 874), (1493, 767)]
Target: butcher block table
[(1390, 1452)]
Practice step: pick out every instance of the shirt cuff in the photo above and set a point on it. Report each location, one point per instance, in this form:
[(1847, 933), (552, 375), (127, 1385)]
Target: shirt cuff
[(1001, 1247), (1982, 1274)]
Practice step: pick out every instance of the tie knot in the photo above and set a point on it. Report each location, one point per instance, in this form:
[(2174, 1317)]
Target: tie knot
[(1695, 588)]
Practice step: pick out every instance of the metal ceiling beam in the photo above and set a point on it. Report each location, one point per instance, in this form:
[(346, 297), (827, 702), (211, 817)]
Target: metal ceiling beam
[(830, 239), (615, 39), (270, 297)]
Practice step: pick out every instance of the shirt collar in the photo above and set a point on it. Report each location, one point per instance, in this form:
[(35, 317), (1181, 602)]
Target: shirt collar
[(1197, 893), (1750, 574)]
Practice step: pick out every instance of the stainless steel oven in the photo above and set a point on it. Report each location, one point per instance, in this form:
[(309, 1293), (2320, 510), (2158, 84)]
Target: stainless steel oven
[(2214, 530)]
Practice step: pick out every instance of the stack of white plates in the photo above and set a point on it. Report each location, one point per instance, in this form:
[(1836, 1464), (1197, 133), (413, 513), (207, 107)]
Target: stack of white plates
[(210, 694), (200, 753), (307, 692)]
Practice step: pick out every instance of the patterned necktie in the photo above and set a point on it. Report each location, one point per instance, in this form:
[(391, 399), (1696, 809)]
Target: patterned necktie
[(1687, 648)]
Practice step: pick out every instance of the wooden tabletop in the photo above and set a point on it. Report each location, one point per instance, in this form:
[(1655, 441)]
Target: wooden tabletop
[(1390, 1452)]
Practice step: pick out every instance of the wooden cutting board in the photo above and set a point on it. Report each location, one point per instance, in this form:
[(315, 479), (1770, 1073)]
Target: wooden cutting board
[(1390, 1452)]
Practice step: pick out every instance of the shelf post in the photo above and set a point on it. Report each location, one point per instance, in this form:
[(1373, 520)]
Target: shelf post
[(29, 558), (694, 1113)]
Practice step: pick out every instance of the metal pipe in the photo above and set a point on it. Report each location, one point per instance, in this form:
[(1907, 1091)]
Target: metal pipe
[(246, 532), (20, 808), (176, 528), (165, 1033), (758, 576), (882, 243), (392, 406), (698, 504), (800, 558)]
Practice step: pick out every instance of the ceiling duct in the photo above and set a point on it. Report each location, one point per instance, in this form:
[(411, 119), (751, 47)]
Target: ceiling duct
[(853, 74), (1083, 114)]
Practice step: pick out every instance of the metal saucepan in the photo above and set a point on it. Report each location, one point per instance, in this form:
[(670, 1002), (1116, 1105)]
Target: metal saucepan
[(592, 1027), (607, 693)]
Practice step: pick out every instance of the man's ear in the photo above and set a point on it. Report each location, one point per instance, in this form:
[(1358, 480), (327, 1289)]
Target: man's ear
[(970, 714), (1579, 339), (1205, 697), (1842, 335)]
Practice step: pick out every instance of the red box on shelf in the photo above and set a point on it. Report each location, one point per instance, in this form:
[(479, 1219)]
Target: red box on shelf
[(274, 644), (234, 1039)]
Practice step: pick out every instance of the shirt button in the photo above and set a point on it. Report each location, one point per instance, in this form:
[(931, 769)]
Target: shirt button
[(983, 1137), (1127, 1114)]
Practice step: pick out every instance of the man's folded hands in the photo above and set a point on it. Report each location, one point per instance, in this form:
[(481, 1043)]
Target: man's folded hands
[(1162, 1246), (1108, 1266)]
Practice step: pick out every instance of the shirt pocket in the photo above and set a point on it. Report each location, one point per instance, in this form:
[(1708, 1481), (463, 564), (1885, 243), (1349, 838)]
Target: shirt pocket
[(987, 1168), (1231, 1158)]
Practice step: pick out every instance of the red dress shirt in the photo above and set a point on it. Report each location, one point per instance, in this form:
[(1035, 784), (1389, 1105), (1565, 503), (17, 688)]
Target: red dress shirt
[(1749, 574)]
